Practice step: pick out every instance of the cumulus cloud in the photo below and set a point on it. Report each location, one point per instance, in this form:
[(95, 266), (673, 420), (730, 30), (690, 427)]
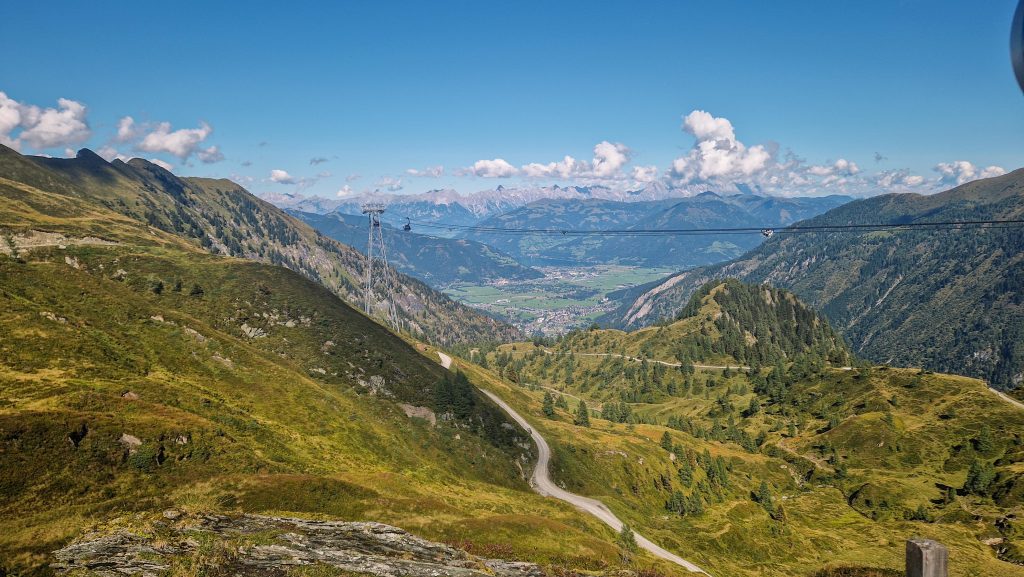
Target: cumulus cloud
[(607, 165), (162, 164), (282, 177), (210, 155), (566, 168), (109, 153), (609, 159), (345, 191), (496, 168), (717, 156), (181, 143), (390, 183), (430, 171), (840, 168), (126, 129), (645, 173), (42, 128), (900, 180), (960, 171), (10, 118)]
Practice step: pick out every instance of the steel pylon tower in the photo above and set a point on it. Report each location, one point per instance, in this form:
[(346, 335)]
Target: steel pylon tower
[(375, 251)]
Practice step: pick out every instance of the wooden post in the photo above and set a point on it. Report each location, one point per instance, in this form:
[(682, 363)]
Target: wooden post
[(927, 558)]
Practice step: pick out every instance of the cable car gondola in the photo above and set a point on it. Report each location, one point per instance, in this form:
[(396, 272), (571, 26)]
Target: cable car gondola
[(408, 225)]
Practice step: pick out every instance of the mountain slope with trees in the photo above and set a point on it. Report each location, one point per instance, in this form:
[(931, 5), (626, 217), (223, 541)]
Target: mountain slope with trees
[(434, 260), (796, 465), (946, 300), (139, 372), (705, 210), (223, 218)]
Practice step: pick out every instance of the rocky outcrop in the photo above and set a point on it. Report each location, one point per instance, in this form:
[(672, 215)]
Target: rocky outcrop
[(267, 546)]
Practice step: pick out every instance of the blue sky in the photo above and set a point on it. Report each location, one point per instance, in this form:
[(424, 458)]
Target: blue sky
[(788, 97)]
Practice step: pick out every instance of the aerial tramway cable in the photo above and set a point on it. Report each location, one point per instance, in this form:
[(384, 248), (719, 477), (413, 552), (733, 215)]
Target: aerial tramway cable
[(765, 231)]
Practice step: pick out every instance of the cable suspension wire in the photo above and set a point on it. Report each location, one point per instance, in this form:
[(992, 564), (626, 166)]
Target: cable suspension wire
[(763, 230)]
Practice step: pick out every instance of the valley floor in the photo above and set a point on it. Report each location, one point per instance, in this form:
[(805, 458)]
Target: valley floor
[(567, 297)]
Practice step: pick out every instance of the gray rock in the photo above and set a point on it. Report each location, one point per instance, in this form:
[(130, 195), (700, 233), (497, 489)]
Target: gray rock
[(372, 548)]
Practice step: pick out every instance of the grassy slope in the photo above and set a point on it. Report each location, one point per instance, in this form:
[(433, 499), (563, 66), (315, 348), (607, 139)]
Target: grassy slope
[(891, 468), (223, 217), (278, 423)]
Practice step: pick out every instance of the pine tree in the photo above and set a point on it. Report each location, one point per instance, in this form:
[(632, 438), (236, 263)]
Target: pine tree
[(985, 442), (549, 405), (627, 540), (764, 498), (754, 407), (582, 415), (666, 441)]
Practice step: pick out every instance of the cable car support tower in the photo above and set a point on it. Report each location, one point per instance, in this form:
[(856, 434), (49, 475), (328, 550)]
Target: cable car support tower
[(375, 250)]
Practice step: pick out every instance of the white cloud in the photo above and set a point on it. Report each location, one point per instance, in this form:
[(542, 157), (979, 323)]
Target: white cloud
[(717, 156), (180, 143), (346, 191), (960, 171), (645, 173), (566, 168), (353, 177), (109, 153), (496, 168), (390, 183), (840, 168), (162, 164), (10, 118), (126, 129), (430, 171), (703, 126), (282, 177), (609, 158), (901, 180), (42, 128), (210, 155)]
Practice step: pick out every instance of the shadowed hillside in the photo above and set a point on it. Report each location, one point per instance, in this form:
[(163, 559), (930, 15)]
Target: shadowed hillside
[(947, 300)]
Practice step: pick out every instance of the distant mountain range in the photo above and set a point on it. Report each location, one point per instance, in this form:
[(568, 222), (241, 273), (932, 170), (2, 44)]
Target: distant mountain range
[(437, 261), (473, 206), (946, 300), (443, 212), (705, 210)]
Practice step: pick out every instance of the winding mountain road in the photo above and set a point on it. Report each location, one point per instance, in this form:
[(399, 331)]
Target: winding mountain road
[(542, 483)]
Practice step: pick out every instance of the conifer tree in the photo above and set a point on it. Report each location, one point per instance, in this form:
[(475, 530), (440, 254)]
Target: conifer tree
[(549, 405), (582, 415)]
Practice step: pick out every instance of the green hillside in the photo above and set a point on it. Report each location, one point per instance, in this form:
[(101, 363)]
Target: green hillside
[(801, 465), (223, 218), (946, 300), (139, 372)]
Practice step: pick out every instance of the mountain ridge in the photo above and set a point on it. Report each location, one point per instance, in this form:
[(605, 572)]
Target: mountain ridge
[(221, 216), (946, 300)]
